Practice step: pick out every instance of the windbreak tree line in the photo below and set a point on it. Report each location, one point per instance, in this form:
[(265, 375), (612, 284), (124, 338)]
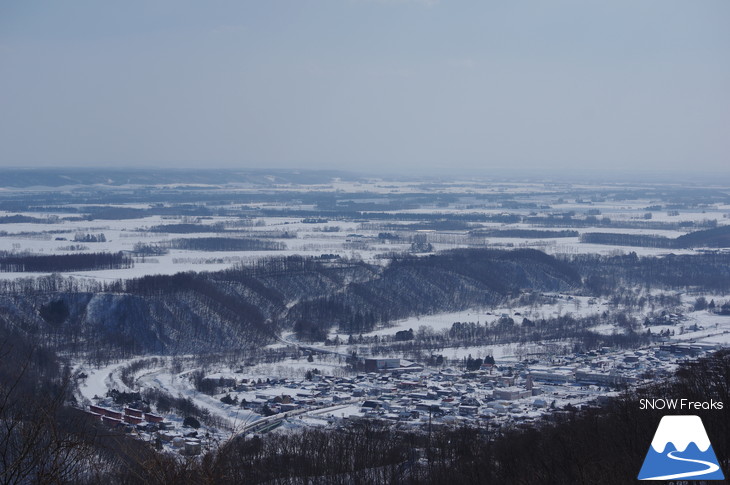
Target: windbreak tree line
[(64, 262)]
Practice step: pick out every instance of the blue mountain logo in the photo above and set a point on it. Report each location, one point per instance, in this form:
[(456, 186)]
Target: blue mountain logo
[(681, 450)]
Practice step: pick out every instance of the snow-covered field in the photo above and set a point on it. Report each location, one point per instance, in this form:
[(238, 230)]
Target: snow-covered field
[(577, 306), (348, 236)]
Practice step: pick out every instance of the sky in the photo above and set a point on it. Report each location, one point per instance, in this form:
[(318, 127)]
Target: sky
[(398, 86)]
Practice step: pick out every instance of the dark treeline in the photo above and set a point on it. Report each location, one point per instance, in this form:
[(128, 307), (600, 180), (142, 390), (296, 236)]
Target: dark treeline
[(432, 225), (622, 239), (714, 238), (718, 237), (240, 225), (392, 221), (226, 244), (89, 238), (523, 233), (604, 274), (273, 234), (50, 284), (187, 228), (155, 249), (568, 220), (64, 262), (17, 218), (291, 265)]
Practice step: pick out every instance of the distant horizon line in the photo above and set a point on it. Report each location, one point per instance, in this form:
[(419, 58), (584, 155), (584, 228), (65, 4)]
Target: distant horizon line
[(557, 175)]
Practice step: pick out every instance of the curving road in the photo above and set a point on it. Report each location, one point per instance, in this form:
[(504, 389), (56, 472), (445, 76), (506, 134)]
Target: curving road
[(712, 468)]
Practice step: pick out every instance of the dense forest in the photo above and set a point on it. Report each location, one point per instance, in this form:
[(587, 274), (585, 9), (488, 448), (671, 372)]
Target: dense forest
[(449, 281), (226, 244), (57, 263), (186, 228), (702, 272), (718, 237), (247, 306)]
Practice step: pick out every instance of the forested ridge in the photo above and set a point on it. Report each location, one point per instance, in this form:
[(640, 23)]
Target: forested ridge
[(247, 306), (703, 272)]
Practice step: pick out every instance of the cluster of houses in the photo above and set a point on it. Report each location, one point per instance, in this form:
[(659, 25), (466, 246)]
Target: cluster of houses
[(128, 415), (401, 391), (135, 419), (523, 390)]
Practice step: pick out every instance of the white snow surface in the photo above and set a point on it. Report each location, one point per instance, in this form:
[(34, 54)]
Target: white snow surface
[(680, 431)]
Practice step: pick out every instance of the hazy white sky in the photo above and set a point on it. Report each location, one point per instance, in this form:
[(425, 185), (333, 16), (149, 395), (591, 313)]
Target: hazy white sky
[(396, 85)]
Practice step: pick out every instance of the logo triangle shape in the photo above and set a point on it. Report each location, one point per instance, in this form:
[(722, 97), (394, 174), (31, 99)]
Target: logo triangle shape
[(682, 450)]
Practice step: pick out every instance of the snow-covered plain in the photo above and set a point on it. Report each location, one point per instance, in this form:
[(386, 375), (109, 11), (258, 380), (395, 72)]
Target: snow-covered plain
[(348, 237)]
